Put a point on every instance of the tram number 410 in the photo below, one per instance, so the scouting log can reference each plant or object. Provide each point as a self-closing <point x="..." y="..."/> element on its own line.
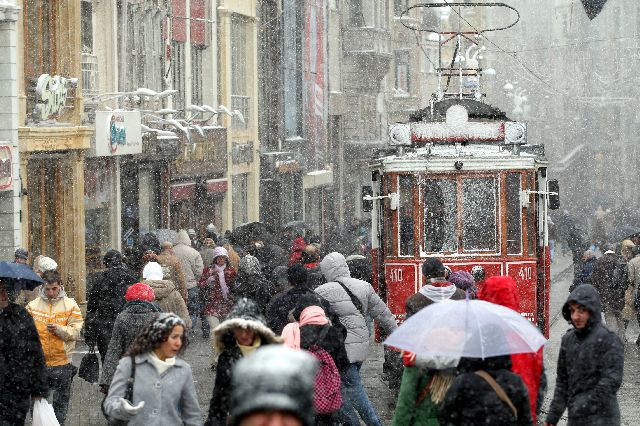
<point x="525" y="273"/>
<point x="395" y="275"/>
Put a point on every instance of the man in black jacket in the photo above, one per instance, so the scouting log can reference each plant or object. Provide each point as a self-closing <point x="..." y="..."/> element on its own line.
<point x="105" y="300"/>
<point x="590" y="365"/>
<point x="23" y="376"/>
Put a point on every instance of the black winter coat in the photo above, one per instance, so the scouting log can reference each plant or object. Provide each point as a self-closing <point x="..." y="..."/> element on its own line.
<point x="611" y="277"/>
<point x="471" y="401"/>
<point x="135" y="316"/>
<point x="282" y="304"/>
<point x="332" y="342"/>
<point x="106" y="299"/>
<point x="590" y="367"/>
<point x="219" y="404"/>
<point x="22" y="368"/>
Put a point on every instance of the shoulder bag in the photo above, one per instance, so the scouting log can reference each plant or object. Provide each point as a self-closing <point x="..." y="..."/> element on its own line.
<point x="356" y="302"/>
<point x="498" y="390"/>
<point x="128" y="395"/>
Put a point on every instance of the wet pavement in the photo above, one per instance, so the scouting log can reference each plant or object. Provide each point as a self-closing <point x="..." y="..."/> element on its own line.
<point x="85" y="405"/>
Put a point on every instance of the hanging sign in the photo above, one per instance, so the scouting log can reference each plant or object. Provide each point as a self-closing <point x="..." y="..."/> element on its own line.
<point x="118" y="133"/>
<point x="5" y="167"/>
<point x="51" y="95"/>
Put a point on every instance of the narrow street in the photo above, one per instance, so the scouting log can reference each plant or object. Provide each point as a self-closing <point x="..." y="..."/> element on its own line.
<point x="85" y="405"/>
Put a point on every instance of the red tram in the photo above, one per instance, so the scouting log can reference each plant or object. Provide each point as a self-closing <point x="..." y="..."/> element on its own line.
<point x="462" y="183"/>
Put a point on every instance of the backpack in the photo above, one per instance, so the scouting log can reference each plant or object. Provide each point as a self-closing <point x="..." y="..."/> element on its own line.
<point x="327" y="398"/>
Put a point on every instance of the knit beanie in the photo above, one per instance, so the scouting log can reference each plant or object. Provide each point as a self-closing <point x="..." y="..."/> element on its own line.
<point x="140" y="291"/>
<point x="286" y="385"/>
<point x="220" y="251"/>
<point x="152" y="271"/>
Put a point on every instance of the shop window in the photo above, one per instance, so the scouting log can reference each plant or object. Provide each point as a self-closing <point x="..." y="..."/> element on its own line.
<point x="240" y="99"/>
<point x="440" y="215"/>
<point x="98" y="200"/>
<point x="479" y="214"/>
<point x="406" y="223"/>
<point x="513" y="188"/>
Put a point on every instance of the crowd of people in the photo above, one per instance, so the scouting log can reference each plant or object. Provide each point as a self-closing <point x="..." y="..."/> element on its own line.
<point x="290" y="331"/>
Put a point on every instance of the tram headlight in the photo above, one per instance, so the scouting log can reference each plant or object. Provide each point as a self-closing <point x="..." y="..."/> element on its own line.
<point x="458" y="165"/>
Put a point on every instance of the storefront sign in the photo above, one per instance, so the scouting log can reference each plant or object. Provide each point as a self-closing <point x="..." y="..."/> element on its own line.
<point x="51" y="95"/>
<point x="118" y="133"/>
<point x="5" y="167"/>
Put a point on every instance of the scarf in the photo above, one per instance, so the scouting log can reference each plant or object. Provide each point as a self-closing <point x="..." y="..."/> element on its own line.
<point x="161" y="365"/>
<point x="438" y="291"/>
<point x="248" y="350"/>
<point x="221" y="280"/>
<point x="312" y="315"/>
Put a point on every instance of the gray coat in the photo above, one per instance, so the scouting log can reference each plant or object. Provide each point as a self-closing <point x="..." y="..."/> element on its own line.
<point x="170" y="399"/>
<point x="134" y="317"/>
<point x="191" y="259"/>
<point x="334" y="267"/>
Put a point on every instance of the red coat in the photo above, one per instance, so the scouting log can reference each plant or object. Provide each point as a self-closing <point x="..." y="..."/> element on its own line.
<point x="295" y="252"/>
<point x="503" y="291"/>
<point x="213" y="301"/>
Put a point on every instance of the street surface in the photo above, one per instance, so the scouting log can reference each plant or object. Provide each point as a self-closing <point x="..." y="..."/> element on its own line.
<point x="85" y="405"/>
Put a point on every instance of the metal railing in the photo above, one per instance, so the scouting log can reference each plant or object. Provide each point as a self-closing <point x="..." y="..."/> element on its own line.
<point x="90" y="86"/>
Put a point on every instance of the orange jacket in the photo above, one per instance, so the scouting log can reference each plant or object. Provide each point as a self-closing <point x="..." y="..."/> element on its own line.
<point x="65" y="313"/>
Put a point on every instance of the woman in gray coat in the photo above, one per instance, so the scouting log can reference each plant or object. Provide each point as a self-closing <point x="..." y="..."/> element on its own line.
<point x="163" y="388"/>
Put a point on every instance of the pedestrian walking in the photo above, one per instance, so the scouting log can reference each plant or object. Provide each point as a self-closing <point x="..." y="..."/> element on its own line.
<point x="163" y="389"/>
<point x="529" y="366"/>
<point x="172" y="269"/>
<point x="296" y="250"/>
<point x="283" y="303"/>
<point x="242" y="332"/>
<point x="105" y="300"/>
<point x="21" y="256"/>
<point x="138" y="312"/>
<point x="611" y="278"/>
<point x="23" y="374"/>
<point x="590" y="365"/>
<point x="280" y="382"/>
<point x="312" y="332"/>
<point x="252" y="284"/>
<point x="584" y="276"/>
<point x="352" y="300"/>
<point x="631" y="297"/>
<point x="165" y="292"/>
<point x="208" y="246"/>
<point x="486" y="391"/>
<point x="216" y="287"/>
<point x="192" y="267"/>
<point x="41" y="264"/>
<point x="436" y="288"/>
<point x="58" y="320"/>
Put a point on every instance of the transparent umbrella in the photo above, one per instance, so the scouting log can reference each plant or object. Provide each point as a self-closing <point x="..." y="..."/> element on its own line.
<point x="466" y="328"/>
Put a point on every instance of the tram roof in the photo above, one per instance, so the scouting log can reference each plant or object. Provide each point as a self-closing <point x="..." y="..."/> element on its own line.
<point x="474" y="157"/>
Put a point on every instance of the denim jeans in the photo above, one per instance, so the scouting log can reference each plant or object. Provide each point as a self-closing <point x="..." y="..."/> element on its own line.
<point x="60" y="378"/>
<point x="193" y="305"/>
<point x="354" y="398"/>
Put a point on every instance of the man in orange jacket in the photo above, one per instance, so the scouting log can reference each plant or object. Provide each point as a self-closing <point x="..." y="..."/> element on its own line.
<point x="58" y="320"/>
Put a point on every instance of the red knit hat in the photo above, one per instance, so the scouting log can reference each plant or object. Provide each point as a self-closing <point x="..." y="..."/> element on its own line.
<point x="140" y="291"/>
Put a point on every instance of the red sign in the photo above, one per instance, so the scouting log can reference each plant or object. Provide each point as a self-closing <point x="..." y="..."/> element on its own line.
<point x="5" y="167"/>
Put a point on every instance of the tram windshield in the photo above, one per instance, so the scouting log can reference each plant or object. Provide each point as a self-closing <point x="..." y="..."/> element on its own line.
<point x="461" y="214"/>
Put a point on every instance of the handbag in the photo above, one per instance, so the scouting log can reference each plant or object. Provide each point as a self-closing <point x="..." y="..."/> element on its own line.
<point x="498" y="390"/>
<point x="128" y="395"/>
<point x="89" y="367"/>
<point x="43" y="414"/>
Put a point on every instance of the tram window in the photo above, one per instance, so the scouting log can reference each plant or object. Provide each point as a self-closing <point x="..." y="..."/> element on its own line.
<point x="387" y="221"/>
<point x="479" y="214"/>
<point x="514" y="213"/>
<point x="405" y="216"/>
<point x="440" y="215"/>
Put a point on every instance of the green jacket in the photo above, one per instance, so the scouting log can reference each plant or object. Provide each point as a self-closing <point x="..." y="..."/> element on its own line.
<point x="414" y="380"/>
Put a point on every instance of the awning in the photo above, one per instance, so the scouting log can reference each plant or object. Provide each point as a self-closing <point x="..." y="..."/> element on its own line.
<point x="183" y="191"/>
<point x="217" y="186"/>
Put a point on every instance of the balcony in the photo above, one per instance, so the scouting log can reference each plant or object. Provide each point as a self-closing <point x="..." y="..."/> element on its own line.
<point x="368" y="50"/>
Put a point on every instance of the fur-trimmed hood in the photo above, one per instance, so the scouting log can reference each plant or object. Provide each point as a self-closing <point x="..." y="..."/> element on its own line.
<point x="245" y="314"/>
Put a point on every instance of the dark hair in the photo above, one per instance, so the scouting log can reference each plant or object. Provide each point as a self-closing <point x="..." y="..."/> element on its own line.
<point x="297" y="275"/>
<point x="112" y="258"/>
<point x="156" y="333"/>
<point x="51" y="277"/>
<point x="433" y="268"/>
